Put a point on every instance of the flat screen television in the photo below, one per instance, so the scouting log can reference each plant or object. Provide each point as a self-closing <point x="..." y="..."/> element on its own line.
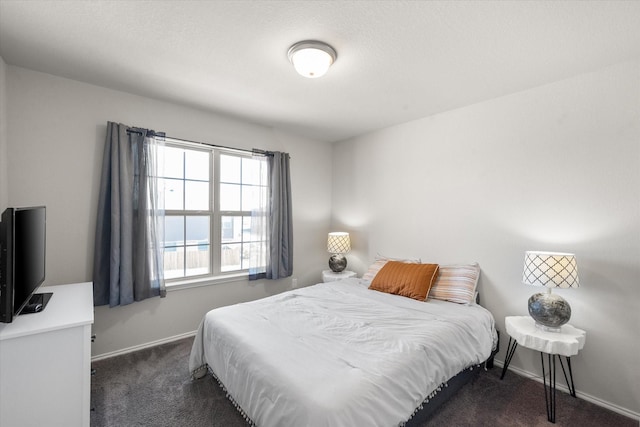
<point x="22" y="260"/>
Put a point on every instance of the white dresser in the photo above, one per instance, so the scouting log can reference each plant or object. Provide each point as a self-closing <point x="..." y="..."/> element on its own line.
<point x="45" y="362"/>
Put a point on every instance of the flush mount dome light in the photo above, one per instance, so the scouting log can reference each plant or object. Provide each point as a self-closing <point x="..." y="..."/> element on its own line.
<point x="312" y="58"/>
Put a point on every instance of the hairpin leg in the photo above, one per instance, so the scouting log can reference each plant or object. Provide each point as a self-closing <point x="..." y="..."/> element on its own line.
<point x="570" y="384"/>
<point x="510" y="351"/>
<point x="550" y="394"/>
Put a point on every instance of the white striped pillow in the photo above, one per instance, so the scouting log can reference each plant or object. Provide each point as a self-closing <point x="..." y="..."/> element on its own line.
<point x="456" y="283"/>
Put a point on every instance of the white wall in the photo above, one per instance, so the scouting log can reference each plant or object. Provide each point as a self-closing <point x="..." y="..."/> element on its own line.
<point x="55" y="133"/>
<point x="4" y="176"/>
<point x="552" y="168"/>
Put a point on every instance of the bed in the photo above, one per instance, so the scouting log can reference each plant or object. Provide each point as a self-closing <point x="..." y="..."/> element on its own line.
<point x="339" y="354"/>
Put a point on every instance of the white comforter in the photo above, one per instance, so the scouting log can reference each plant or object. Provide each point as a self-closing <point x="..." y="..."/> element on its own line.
<point x="338" y="354"/>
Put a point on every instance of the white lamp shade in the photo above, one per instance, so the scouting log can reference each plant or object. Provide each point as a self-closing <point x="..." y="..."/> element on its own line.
<point x="312" y="59"/>
<point x="338" y="243"/>
<point x="550" y="269"/>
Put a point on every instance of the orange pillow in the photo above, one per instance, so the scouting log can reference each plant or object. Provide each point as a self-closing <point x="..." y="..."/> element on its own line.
<point x="408" y="280"/>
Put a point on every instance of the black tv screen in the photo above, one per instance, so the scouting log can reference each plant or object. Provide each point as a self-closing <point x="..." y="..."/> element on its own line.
<point x="22" y="266"/>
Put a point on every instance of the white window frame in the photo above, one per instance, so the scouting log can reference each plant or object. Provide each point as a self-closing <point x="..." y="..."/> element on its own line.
<point x="215" y="215"/>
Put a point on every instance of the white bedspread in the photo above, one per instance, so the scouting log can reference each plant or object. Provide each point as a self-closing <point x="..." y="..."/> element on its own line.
<point x="338" y="354"/>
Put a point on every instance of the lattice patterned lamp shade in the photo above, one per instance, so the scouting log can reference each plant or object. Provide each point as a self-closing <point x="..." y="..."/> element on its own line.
<point x="338" y="243"/>
<point x="551" y="270"/>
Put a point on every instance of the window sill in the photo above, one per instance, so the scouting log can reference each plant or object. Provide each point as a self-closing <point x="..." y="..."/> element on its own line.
<point x="207" y="281"/>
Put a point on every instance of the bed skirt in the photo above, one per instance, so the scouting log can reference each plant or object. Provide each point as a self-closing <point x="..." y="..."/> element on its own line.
<point x="445" y="392"/>
<point x="422" y="413"/>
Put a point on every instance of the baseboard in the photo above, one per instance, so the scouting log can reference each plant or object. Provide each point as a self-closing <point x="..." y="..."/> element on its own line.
<point x="560" y="386"/>
<point x="142" y="346"/>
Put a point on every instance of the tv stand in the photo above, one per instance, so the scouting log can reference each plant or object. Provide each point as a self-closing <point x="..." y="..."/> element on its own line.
<point x="37" y="303"/>
<point x="45" y="362"/>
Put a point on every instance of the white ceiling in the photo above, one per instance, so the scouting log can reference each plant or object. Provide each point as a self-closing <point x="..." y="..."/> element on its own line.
<point x="397" y="60"/>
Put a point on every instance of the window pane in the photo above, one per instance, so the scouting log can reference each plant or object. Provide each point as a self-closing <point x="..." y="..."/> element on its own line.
<point x="173" y="231"/>
<point x="257" y="229"/>
<point x="173" y="193"/>
<point x="230" y="257"/>
<point x="229" y="197"/>
<point x="197" y="165"/>
<point x="246" y="228"/>
<point x="230" y="169"/>
<point x="231" y="227"/>
<point x="198" y="250"/>
<point x="174" y="249"/>
<point x="256" y="255"/>
<point x="196" y="195"/>
<point x="197" y="230"/>
<point x="198" y="260"/>
<point x="251" y="197"/>
<point x="174" y="262"/>
<point x="173" y="162"/>
<point x="251" y="171"/>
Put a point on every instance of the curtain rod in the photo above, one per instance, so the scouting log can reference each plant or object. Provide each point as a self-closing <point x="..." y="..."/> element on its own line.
<point x="252" y="151"/>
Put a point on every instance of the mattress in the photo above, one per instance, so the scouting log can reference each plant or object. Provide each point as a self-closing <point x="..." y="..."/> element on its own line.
<point x="338" y="354"/>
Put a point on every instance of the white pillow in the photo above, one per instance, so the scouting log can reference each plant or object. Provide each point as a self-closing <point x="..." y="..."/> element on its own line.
<point x="380" y="261"/>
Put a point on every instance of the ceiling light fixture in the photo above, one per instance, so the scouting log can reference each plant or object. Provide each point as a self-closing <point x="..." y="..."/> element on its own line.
<point x="312" y="58"/>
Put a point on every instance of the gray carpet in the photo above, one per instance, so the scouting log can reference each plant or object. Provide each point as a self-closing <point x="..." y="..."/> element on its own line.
<point x="152" y="388"/>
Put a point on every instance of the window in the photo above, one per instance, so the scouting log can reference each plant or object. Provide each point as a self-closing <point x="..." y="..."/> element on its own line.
<point x="209" y="194"/>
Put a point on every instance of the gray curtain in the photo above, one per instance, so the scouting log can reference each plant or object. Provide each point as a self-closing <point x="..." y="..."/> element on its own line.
<point x="128" y="255"/>
<point x="280" y="260"/>
<point x="279" y="229"/>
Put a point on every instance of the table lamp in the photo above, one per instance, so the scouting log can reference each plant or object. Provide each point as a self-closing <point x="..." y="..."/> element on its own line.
<point x="338" y="244"/>
<point x="552" y="270"/>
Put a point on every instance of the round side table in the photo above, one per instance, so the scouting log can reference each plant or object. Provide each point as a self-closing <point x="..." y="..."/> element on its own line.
<point x="568" y="342"/>
<point x="332" y="276"/>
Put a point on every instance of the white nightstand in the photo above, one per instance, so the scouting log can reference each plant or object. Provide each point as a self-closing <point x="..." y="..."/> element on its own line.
<point x="568" y="342"/>
<point x="331" y="276"/>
